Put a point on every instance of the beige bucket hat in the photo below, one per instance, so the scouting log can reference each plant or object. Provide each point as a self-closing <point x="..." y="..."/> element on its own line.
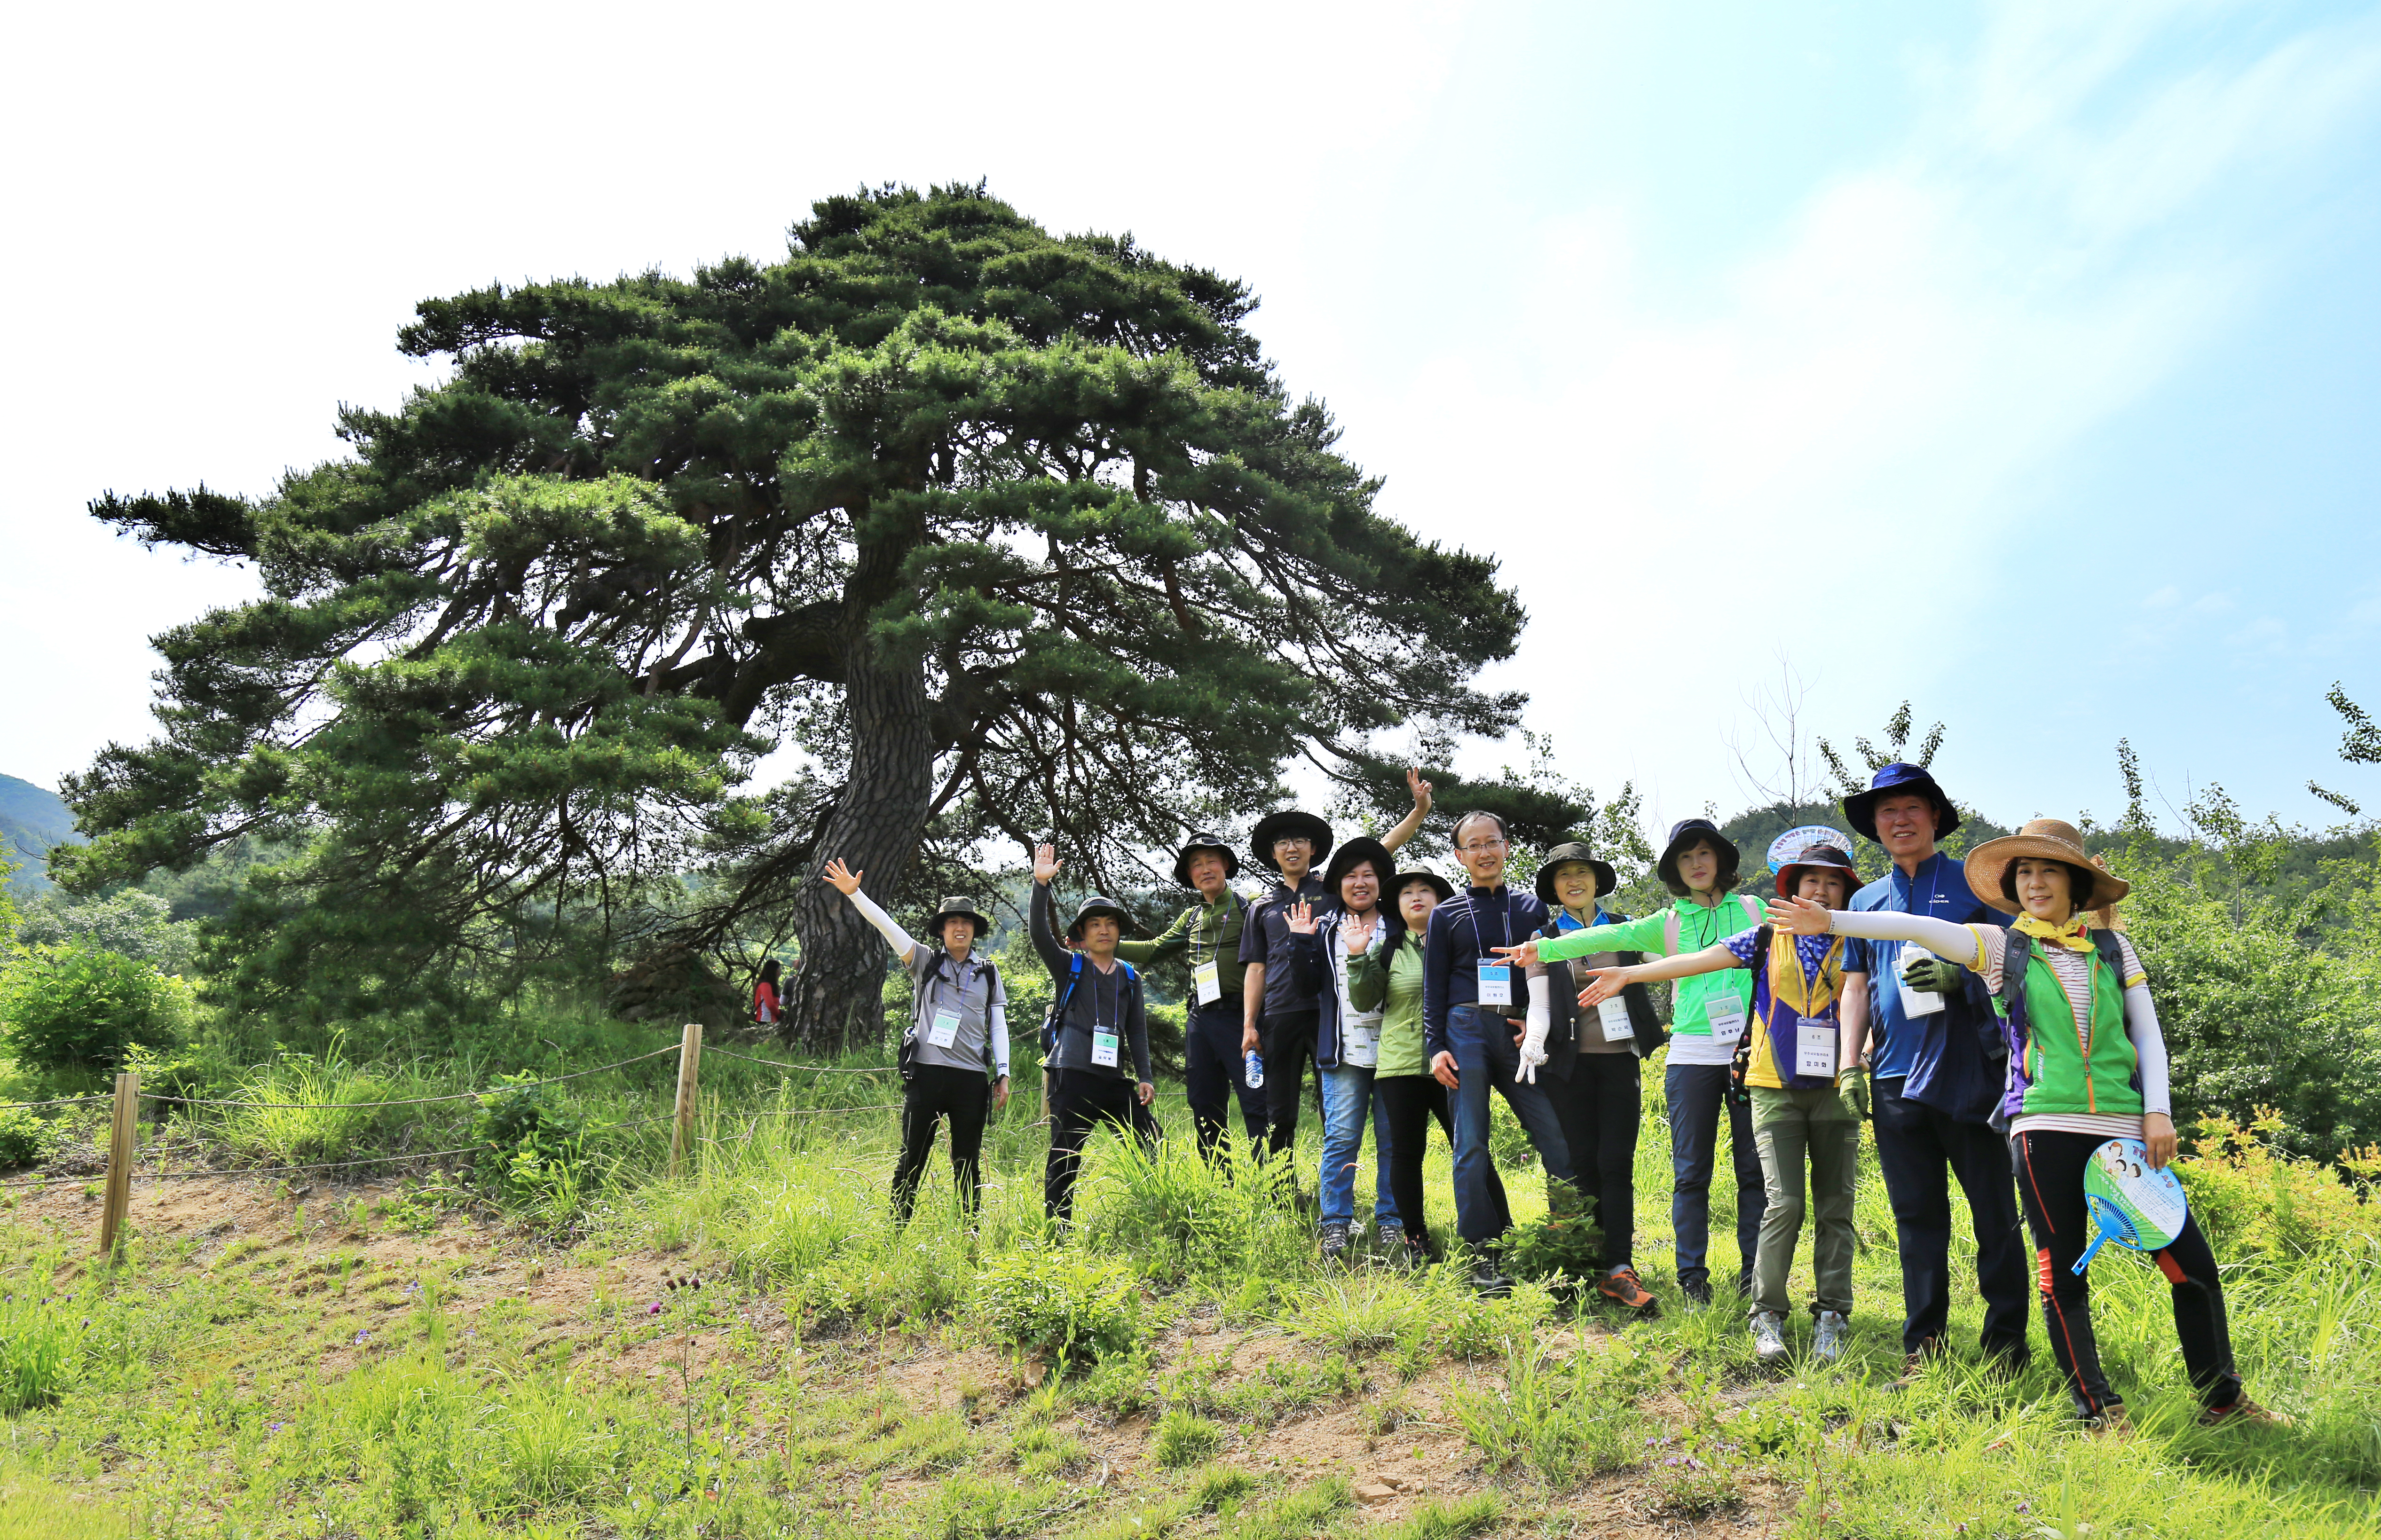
<point x="2042" y="839"/>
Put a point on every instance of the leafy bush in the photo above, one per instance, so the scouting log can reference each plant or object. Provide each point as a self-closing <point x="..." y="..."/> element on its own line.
<point x="1060" y="1304"/>
<point x="24" y="1138"/>
<point x="2254" y="1199"/>
<point x="1567" y="1244"/>
<point x="69" y="1006"/>
<point x="538" y="1146"/>
<point x="130" y="923"/>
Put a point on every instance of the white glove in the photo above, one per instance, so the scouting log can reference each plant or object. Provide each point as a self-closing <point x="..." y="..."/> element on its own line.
<point x="1534" y="1035"/>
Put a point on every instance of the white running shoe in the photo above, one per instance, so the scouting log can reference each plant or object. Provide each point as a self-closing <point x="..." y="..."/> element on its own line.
<point x="1769" y="1337"/>
<point x="1833" y="1329"/>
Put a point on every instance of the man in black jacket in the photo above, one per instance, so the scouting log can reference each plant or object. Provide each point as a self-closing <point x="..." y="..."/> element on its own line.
<point x="1102" y="1018"/>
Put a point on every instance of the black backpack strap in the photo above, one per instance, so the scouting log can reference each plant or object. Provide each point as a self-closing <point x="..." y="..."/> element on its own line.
<point x="2017" y="956"/>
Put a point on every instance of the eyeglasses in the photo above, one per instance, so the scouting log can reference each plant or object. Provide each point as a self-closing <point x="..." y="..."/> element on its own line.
<point x="1480" y="848"/>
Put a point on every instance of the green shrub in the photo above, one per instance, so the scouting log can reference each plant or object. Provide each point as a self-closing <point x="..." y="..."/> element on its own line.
<point x="41" y="1349"/>
<point x="2254" y="1198"/>
<point x="1060" y="1304"/>
<point x="75" y="1007"/>
<point x="538" y="1147"/>
<point x="24" y="1138"/>
<point x="1185" y="1439"/>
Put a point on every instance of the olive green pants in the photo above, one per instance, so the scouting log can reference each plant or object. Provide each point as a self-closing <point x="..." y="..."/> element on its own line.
<point x="1787" y="1126"/>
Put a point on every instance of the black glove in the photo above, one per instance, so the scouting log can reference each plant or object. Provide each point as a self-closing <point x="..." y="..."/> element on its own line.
<point x="1935" y="975"/>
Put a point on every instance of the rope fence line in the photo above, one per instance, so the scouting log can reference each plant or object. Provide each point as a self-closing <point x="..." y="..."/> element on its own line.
<point x="62" y="1101"/>
<point x="407" y="1101"/>
<point x="807" y="1069"/>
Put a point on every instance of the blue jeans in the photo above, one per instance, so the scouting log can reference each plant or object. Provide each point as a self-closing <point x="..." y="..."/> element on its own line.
<point x="1347" y="1100"/>
<point x="1486" y="1056"/>
<point x="1696" y="1093"/>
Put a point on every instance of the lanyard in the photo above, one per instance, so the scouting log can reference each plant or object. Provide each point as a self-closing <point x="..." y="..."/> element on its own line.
<point x="1504" y="923"/>
<point x="1215" y="941"/>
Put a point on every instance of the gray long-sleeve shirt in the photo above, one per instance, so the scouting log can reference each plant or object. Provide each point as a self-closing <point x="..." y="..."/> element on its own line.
<point x="1101" y="1000"/>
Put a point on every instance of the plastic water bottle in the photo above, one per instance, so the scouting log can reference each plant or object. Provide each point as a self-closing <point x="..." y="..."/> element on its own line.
<point x="1255" y="1069"/>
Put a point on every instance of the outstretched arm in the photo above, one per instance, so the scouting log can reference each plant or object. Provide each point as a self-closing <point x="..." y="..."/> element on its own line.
<point x="847" y="882"/>
<point x="1612" y="981"/>
<point x="1960" y="944"/>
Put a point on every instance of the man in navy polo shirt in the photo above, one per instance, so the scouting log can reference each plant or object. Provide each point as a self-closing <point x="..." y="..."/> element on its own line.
<point x="1935" y="1073"/>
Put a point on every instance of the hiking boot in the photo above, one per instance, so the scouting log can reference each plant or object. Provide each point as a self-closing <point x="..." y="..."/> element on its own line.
<point x="1833" y="1328"/>
<point x="1697" y="1290"/>
<point x="1769" y="1337"/>
<point x="1914" y="1366"/>
<point x="2244" y="1412"/>
<point x="1488" y="1280"/>
<point x="1621" y="1285"/>
<point x="1334" y="1242"/>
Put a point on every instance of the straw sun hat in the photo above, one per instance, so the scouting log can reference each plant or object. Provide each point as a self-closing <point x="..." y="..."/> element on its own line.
<point x="2042" y="839"/>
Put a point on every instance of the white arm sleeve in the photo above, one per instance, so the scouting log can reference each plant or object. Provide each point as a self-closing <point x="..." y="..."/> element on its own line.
<point x="1541" y="1011"/>
<point x="1940" y="937"/>
<point x="886" y="926"/>
<point x="2149" y="1044"/>
<point x="1001" y="1039"/>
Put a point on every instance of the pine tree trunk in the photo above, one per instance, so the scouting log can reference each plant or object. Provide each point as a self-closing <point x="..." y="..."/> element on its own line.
<point x="836" y="1002"/>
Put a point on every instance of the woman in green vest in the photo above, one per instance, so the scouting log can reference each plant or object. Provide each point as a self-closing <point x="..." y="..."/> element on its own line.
<point x="2087" y="1064"/>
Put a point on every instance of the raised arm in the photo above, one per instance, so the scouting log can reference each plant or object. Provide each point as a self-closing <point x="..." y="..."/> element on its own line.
<point x="1411" y="824"/>
<point x="1041" y="920"/>
<point x="847" y="882"/>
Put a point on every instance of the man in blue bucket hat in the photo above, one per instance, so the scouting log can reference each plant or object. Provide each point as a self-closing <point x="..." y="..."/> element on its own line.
<point x="1932" y="1076"/>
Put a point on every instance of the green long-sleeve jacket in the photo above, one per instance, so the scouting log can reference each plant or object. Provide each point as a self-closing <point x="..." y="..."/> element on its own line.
<point x="1203" y="933"/>
<point x="1390" y="981"/>
<point x="1691" y="1032"/>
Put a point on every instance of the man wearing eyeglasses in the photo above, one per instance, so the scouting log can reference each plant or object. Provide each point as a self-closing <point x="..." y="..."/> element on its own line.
<point x="1473" y="1014"/>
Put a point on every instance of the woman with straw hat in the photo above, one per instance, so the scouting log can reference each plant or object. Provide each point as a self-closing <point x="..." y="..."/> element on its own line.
<point x="2086" y="1064"/>
<point x="955" y="1056"/>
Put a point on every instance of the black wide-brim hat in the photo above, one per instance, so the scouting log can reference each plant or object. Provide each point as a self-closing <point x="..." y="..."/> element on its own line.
<point x="1288" y="824"/>
<point x="1899" y="779"/>
<point x="1439" y="885"/>
<point x="1812" y="856"/>
<point x="957" y="909"/>
<point x="1204" y="839"/>
<point x="1605" y="878"/>
<point x="1092" y="909"/>
<point x="1355" y="853"/>
<point x="1685" y="832"/>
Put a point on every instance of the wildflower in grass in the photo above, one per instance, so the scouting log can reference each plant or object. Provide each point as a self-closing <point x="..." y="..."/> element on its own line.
<point x="361" y="1335"/>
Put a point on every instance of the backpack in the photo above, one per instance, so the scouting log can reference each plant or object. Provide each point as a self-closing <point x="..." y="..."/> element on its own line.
<point x="906" y="1058"/>
<point x="1752" y="909"/>
<point x="2010" y="1002"/>
<point x="1054" y="1021"/>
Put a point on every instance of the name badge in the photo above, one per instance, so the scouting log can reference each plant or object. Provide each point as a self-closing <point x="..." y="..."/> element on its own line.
<point x="1104" y="1049"/>
<point x="1914" y="1002"/>
<point x="1814" y="1049"/>
<point x="946" y="1030"/>
<point x="1496" y="983"/>
<point x="1726" y="1015"/>
<point x="1617" y="1027"/>
<point x="1209" y="982"/>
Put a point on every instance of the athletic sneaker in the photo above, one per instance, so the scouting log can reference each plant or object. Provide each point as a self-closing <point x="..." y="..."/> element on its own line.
<point x="1335" y="1242"/>
<point x="1833" y="1329"/>
<point x="1621" y="1287"/>
<point x="1388" y="1238"/>
<point x="1697" y="1290"/>
<point x="1487" y="1279"/>
<point x="1769" y="1337"/>
<point x="2243" y="1412"/>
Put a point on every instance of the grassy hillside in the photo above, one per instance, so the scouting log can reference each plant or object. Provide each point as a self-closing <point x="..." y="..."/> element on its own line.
<point x="590" y="1347"/>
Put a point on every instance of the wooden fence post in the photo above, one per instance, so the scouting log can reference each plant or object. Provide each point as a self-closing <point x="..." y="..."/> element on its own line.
<point x="690" y="1059"/>
<point x="118" y="1197"/>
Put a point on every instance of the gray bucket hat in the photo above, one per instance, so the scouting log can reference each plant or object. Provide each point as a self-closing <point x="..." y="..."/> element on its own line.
<point x="958" y="909"/>
<point x="1092" y="909"/>
<point x="1605" y="878"/>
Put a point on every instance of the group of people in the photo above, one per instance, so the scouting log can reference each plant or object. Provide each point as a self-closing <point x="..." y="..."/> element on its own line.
<point x="1995" y="1054"/>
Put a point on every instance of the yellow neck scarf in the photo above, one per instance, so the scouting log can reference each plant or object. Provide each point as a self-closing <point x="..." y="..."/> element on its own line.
<point x="2075" y="935"/>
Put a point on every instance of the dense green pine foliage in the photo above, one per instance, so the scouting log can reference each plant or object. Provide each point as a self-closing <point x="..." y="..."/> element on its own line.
<point x="1016" y="534"/>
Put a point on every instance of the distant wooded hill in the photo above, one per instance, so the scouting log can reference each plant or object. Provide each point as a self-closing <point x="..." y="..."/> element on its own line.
<point x="33" y="821"/>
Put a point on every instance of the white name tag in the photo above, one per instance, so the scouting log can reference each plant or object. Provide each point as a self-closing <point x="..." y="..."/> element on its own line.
<point x="1727" y="1014"/>
<point x="1496" y="983"/>
<point x="1104" y="1049"/>
<point x="1617" y="1027"/>
<point x="1814" y="1049"/>
<point x="1209" y="982"/>
<point x="1914" y="1002"/>
<point x="946" y="1030"/>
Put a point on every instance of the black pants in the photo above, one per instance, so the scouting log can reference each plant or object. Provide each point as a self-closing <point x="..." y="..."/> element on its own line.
<point x="1409" y="1103"/>
<point x="1920" y="1149"/>
<point x="2050" y="1182"/>
<point x="1214" y="1075"/>
<point x="1600" y="1104"/>
<point x="936" y="1092"/>
<point x="1081" y="1100"/>
<point x="1288" y="1046"/>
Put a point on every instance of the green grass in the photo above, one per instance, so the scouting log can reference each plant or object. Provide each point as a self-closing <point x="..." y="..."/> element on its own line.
<point x="197" y="1400"/>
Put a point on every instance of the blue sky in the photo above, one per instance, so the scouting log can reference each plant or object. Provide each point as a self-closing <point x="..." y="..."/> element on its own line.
<point x="1920" y="351"/>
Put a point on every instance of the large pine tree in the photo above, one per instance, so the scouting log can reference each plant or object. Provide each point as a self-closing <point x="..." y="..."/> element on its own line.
<point x="1018" y="534"/>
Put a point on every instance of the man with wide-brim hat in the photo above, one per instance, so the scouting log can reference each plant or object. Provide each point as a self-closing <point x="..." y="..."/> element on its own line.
<point x="1698" y="865"/>
<point x="1205" y="941"/>
<point x="1281" y="1008"/>
<point x="1100" y="1056"/>
<point x="1931" y="1077"/>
